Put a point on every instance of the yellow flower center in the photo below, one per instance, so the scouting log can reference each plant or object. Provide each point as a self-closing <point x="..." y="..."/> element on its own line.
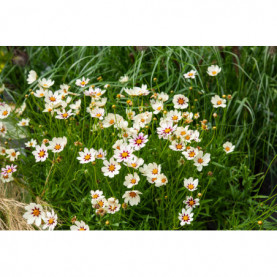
<point x="65" y="115"/>
<point x="51" y="221"/>
<point x="36" y="212"/>
<point x="41" y="153"/>
<point x="111" y="121"/>
<point x="139" y="141"/>
<point x="219" y="102"/>
<point x="185" y="218"/>
<point x="179" y="146"/>
<point x="133" y="164"/>
<point x="133" y="181"/>
<point x="111" y="168"/>
<point x="192" y="154"/>
<point x="164" y="180"/>
<point x="132" y="194"/>
<point x="227" y="148"/>
<point x="83" y="83"/>
<point x="5" y="113"/>
<point x="82" y="229"/>
<point x="190" y="74"/>
<point x="214" y="72"/>
<point x="87" y="157"/>
<point x="200" y="160"/>
<point x="142" y="120"/>
<point x="57" y="147"/>
<point x="181" y="101"/>
<point x="99" y="156"/>
<point x="124" y="154"/>
<point x="167" y="130"/>
<point x="95" y="196"/>
<point x="52" y="99"/>
<point x="174" y="117"/>
<point x="191" y="202"/>
<point x="183" y="133"/>
<point x="190" y="186"/>
<point x="155" y="171"/>
<point x="9" y="170"/>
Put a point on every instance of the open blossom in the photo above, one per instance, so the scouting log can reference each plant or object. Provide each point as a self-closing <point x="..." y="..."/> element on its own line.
<point x="190" y="153"/>
<point x="64" y="114"/>
<point x="123" y="79"/>
<point x="201" y="160"/>
<point x="98" y="113"/>
<point x="3" y="129"/>
<point x="191" y="184"/>
<point x="76" y="106"/>
<point x="100" y="154"/>
<point x="142" y="119"/>
<point x="32" y="76"/>
<point x="177" y="145"/>
<point x="162" y="96"/>
<point x="180" y="101"/>
<point x="40" y="153"/>
<point x="157" y="106"/>
<point x="12" y="154"/>
<point x="110" y="168"/>
<point x="135" y="162"/>
<point x="31" y="143"/>
<point x="24" y="122"/>
<point x="191" y="74"/>
<point x="57" y="144"/>
<point x="79" y="226"/>
<point x="6" y="178"/>
<point x="174" y="116"/>
<point x="86" y="156"/>
<point x="186" y="216"/>
<point x="34" y="214"/>
<point x="130" y="114"/>
<point x="151" y="170"/>
<point x="45" y="83"/>
<point x="94" y="92"/>
<point x="191" y="202"/>
<point x="9" y="169"/>
<point x="166" y="129"/>
<point x="124" y="154"/>
<point x="40" y="92"/>
<point x="160" y="180"/>
<point x="213" y="70"/>
<point x="50" y="220"/>
<point x="132" y="197"/>
<point x="110" y="119"/>
<point x="3" y="151"/>
<point x="5" y="111"/>
<point x="218" y="102"/>
<point x="53" y="97"/>
<point x="82" y="82"/>
<point x="96" y="195"/>
<point x="137" y="91"/>
<point x="228" y="147"/>
<point x="131" y="180"/>
<point x="113" y="205"/>
<point x="138" y="141"/>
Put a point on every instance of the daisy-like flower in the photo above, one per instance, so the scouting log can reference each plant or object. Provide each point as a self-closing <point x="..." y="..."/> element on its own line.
<point x="162" y="96"/>
<point x="166" y="129"/>
<point x="141" y="120"/>
<point x="82" y="82"/>
<point x="5" y="111"/>
<point x="12" y="154"/>
<point x="113" y="205"/>
<point x="161" y="180"/>
<point x="228" y="147"/>
<point x="76" y="106"/>
<point x="130" y="114"/>
<point x="218" y="102"/>
<point x="34" y="214"/>
<point x="40" y="153"/>
<point x="53" y="97"/>
<point x="201" y="160"/>
<point x="86" y="156"/>
<point x="186" y="216"/>
<point x="213" y="70"/>
<point x="45" y="83"/>
<point x="190" y="202"/>
<point x="174" y="116"/>
<point x="118" y="144"/>
<point x="3" y="151"/>
<point x="132" y="197"/>
<point x="50" y="221"/>
<point x="100" y="102"/>
<point x="135" y="162"/>
<point x="180" y="101"/>
<point x="3" y="129"/>
<point x="191" y="184"/>
<point x="100" y="154"/>
<point x="94" y="92"/>
<point x="24" y="122"/>
<point x="191" y="74"/>
<point x="6" y="178"/>
<point x="57" y="144"/>
<point x="123" y="79"/>
<point x="31" y="143"/>
<point x="64" y="114"/>
<point x="99" y="203"/>
<point x="96" y="195"/>
<point x="137" y="91"/>
<point x="177" y="145"/>
<point x="157" y="106"/>
<point x="79" y="226"/>
<point x="110" y="168"/>
<point x="98" y="113"/>
<point x="131" y="180"/>
<point x="124" y="154"/>
<point x="9" y="169"/>
<point x="190" y="153"/>
<point x="41" y="92"/>
<point x="109" y="120"/>
<point x="138" y="141"/>
<point x="151" y="170"/>
<point x="32" y="76"/>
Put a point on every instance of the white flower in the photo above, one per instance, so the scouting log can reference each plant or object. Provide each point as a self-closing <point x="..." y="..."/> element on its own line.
<point x="177" y="145"/>
<point x="162" y="96"/>
<point x="124" y="154"/>
<point x="82" y="82"/>
<point x="96" y="195"/>
<point x="3" y="129"/>
<point x="174" y="116"/>
<point x="186" y="216"/>
<point x="190" y="153"/>
<point x="76" y="105"/>
<point x="113" y="205"/>
<point x="137" y="91"/>
<point x="157" y="106"/>
<point x="45" y="83"/>
<point x="31" y="143"/>
<point x="99" y="203"/>
<point x="34" y="214"/>
<point x="141" y="120"/>
<point x="41" y="92"/>
<point x="132" y="197"/>
<point x="64" y="114"/>
<point x="213" y="70"/>
<point x="110" y="168"/>
<point x="131" y="180"/>
<point x="166" y="129"/>
<point x="191" y="74"/>
<point x="9" y="169"/>
<point x="86" y="156"/>
<point x="53" y="97"/>
<point x="24" y="122"/>
<point x="138" y="141"/>
<point x="2" y="151"/>
<point x="12" y="154"/>
<point x="191" y="184"/>
<point x="135" y="162"/>
<point x="57" y="144"/>
<point x="94" y="92"/>
<point x="32" y="76"/>
<point x="123" y="79"/>
<point x="98" y="113"/>
<point x="200" y="160"/>
<point x="5" y="111"/>
<point x="110" y="120"/>
<point x="79" y="226"/>
<point x="50" y="221"/>
<point x="190" y="202"/>
<point x="130" y="114"/>
<point x="6" y="178"/>
<point x="180" y="101"/>
<point x="160" y="180"/>
<point x="100" y="154"/>
<point x="151" y="170"/>
<point x="218" y="102"/>
<point x="40" y="153"/>
<point x="228" y="147"/>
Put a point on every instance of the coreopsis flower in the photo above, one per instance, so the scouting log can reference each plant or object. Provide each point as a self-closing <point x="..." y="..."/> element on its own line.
<point x="64" y="114"/>
<point x="124" y="154"/>
<point x="228" y="147"/>
<point x="5" y="111"/>
<point x="53" y="97"/>
<point x="123" y="79"/>
<point x="138" y="141"/>
<point x="99" y="102"/>
<point x="76" y="106"/>
<point x="94" y="92"/>
<point x="41" y="92"/>
<point x="79" y="226"/>
<point x="82" y="82"/>
<point x="135" y="162"/>
<point x="113" y="205"/>
<point x="45" y="83"/>
<point x="6" y="178"/>
<point x="191" y="74"/>
<point x="3" y="129"/>
<point x="110" y="168"/>
<point x="190" y="202"/>
<point x="51" y="220"/>
<point x="177" y="145"/>
<point x="100" y="154"/>
<point x="190" y="153"/>
<point x="130" y="114"/>
<point x="128" y="132"/>
<point x="34" y="214"/>
<point x="99" y="203"/>
<point x="31" y="143"/>
<point x="118" y="144"/>
<point x="57" y="145"/>
<point x="9" y="169"/>
<point x="191" y="184"/>
<point x="160" y="180"/>
<point x="174" y="116"/>
<point x="162" y="96"/>
<point x="180" y="101"/>
<point x="151" y="170"/>
<point x="186" y="216"/>
<point x="196" y="115"/>
<point x="218" y="102"/>
<point x="97" y="113"/>
<point x="141" y="120"/>
<point x="12" y="154"/>
<point x="166" y="129"/>
<point x="157" y="106"/>
<point x="109" y="120"/>
<point x="40" y="153"/>
<point x="24" y="122"/>
<point x="213" y="70"/>
<point x="3" y="151"/>
<point x="201" y="160"/>
<point x="132" y="197"/>
<point x="96" y="195"/>
<point x="32" y="76"/>
<point x="131" y="180"/>
<point x="137" y="91"/>
<point x="87" y="156"/>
